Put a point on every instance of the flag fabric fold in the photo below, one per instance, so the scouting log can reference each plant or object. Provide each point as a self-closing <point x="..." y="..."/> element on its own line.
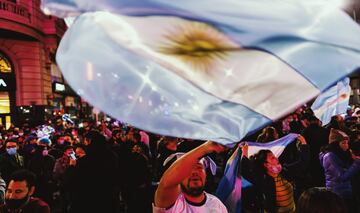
<point x="229" y="189"/>
<point x="333" y="101"/>
<point x="209" y="70"/>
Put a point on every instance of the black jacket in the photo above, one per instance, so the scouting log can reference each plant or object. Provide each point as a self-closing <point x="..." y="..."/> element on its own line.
<point x="93" y="182"/>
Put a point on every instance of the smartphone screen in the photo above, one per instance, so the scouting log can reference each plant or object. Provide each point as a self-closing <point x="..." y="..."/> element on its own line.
<point x="72" y="155"/>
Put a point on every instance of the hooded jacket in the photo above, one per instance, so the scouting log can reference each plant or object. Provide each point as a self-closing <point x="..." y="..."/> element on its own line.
<point x="338" y="174"/>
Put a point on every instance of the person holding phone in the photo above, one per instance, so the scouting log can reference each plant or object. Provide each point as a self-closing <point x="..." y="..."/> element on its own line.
<point x="98" y="166"/>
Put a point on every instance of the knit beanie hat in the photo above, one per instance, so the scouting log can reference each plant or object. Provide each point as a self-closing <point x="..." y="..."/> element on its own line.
<point x="337" y="136"/>
<point x="44" y="141"/>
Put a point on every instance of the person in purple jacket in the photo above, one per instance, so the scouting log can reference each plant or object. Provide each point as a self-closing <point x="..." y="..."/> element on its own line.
<point x="340" y="165"/>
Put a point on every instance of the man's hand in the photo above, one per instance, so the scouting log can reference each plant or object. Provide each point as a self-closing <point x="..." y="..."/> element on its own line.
<point x="72" y="162"/>
<point x="301" y="139"/>
<point x="245" y="149"/>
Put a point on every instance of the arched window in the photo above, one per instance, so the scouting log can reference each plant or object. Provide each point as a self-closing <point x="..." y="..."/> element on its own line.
<point x="5" y="66"/>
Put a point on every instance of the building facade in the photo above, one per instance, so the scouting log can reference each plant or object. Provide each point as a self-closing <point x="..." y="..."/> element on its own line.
<point x="31" y="85"/>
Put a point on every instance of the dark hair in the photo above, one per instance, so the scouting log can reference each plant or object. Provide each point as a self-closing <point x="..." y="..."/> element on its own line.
<point x="14" y="140"/>
<point x="95" y="136"/>
<point x="260" y="159"/>
<point x="98" y="142"/>
<point x="334" y="147"/>
<point x="137" y="137"/>
<point x="355" y="148"/>
<point x="320" y="200"/>
<point x="24" y="175"/>
<point x="70" y="135"/>
<point x="115" y="132"/>
<point x="267" y="135"/>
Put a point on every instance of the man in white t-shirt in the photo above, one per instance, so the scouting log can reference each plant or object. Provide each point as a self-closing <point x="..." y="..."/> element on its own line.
<point x="181" y="188"/>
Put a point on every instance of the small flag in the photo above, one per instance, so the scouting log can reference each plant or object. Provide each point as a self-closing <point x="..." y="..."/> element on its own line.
<point x="229" y="189"/>
<point x="333" y="101"/>
<point x="276" y="147"/>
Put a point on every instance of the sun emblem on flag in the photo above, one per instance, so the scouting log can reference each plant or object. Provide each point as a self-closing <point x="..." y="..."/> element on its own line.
<point x="198" y="45"/>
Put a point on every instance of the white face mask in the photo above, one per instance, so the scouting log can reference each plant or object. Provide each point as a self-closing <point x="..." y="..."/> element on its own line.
<point x="276" y="169"/>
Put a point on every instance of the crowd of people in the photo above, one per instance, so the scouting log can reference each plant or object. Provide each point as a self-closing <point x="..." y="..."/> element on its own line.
<point x="113" y="167"/>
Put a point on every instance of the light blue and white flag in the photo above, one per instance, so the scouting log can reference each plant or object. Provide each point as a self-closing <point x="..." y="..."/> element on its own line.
<point x="210" y="70"/>
<point x="277" y="147"/>
<point x="333" y="101"/>
<point x="231" y="184"/>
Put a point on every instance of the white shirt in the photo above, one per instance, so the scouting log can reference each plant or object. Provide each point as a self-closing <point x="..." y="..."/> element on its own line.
<point x="211" y="205"/>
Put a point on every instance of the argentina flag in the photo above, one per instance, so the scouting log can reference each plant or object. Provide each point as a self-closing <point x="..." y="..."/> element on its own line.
<point x="231" y="184"/>
<point x="209" y="70"/>
<point x="333" y="101"/>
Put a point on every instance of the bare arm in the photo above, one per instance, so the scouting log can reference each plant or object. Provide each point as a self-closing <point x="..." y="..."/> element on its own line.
<point x="169" y="187"/>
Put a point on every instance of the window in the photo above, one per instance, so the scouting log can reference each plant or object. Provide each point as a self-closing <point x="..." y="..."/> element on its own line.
<point x="5" y="66"/>
<point x="4" y="102"/>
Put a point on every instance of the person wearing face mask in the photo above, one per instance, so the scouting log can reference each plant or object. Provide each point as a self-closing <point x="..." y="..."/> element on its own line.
<point x="340" y="165"/>
<point x="272" y="180"/>
<point x="18" y="196"/>
<point x="11" y="160"/>
<point x="42" y="165"/>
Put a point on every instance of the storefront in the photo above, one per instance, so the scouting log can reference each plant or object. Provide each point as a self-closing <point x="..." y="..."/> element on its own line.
<point x="7" y="91"/>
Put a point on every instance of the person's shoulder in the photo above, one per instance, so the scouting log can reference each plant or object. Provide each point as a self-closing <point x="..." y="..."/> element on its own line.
<point x="213" y="201"/>
<point x="212" y="198"/>
<point x="37" y="205"/>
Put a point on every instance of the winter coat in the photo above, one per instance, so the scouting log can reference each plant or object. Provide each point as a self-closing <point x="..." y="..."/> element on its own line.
<point x="338" y="174"/>
<point x="92" y="183"/>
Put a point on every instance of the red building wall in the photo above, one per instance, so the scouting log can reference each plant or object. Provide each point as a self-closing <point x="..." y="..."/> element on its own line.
<point x="29" y="39"/>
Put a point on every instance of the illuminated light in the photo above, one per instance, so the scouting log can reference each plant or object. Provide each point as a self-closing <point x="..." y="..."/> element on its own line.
<point x="115" y="75"/>
<point x="89" y="71"/>
<point x="196" y="107"/>
<point x="176" y="104"/>
<point x="59" y="87"/>
<point x="80" y="92"/>
<point x="140" y="99"/>
<point x="146" y="79"/>
<point x="46" y="11"/>
<point x="130" y="97"/>
<point x="21" y="108"/>
<point x="154" y="88"/>
<point x="98" y="74"/>
<point x="229" y="72"/>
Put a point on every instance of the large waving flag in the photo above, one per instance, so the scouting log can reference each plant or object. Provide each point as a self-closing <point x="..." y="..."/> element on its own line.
<point x="333" y="101"/>
<point x="229" y="189"/>
<point x="210" y="70"/>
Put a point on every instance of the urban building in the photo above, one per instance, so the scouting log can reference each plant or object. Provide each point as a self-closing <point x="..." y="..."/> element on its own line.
<point x="31" y="85"/>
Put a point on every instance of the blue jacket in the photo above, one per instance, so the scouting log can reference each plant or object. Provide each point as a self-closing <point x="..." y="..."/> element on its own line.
<point x="338" y="174"/>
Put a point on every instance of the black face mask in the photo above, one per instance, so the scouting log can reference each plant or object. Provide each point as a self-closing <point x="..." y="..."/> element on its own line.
<point x="16" y="203"/>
